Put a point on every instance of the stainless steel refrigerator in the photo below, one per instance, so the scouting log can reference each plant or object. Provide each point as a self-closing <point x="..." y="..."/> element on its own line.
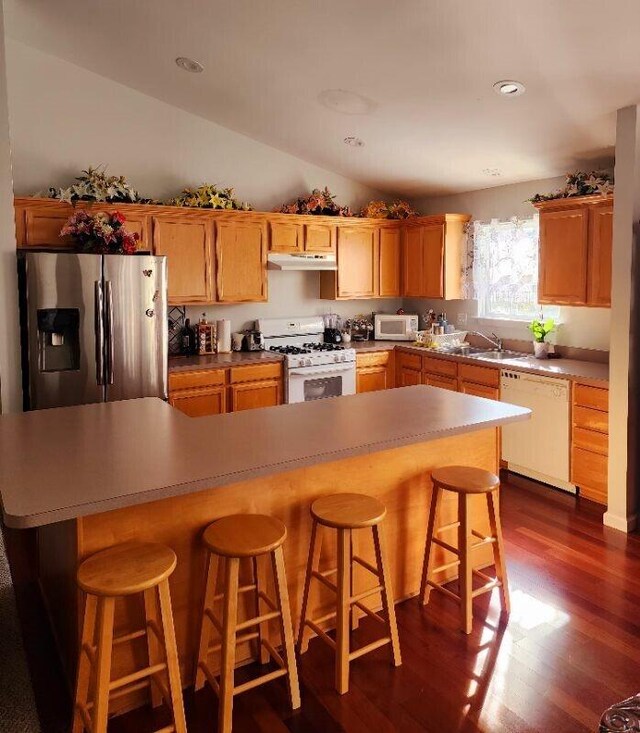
<point x="94" y="328"/>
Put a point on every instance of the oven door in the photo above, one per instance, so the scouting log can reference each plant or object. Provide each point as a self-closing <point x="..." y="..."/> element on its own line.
<point x="305" y="384"/>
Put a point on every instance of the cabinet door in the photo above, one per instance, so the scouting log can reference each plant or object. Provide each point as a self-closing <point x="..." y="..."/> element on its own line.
<point x="252" y="395"/>
<point x="479" y="390"/>
<point x="286" y="236"/>
<point x="408" y="377"/>
<point x="241" y="258"/>
<point x="600" y="248"/>
<point x="390" y="252"/>
<point x="319" y="237"/>
<point x="186" y="242"/>
<point x="413" y="262"/>
<point x="357" y="262"/>
<point x="437" y="380"/>
<point x="589" y="471"/>
<point x="433" y="261"/>
<point x="563" y="256"/>
<point x="372" y="379"/>
<point x="199" y="402"/>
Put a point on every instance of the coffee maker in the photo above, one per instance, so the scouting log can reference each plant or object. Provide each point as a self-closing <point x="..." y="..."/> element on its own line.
<point x="332" y="332"/>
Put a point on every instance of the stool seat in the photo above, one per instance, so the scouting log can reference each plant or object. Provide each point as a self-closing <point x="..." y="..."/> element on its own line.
<point x="348" y="511"/>
<point x="465" y="479"/>
<point x="244" y="535"/>
<point x="125" y="569"/>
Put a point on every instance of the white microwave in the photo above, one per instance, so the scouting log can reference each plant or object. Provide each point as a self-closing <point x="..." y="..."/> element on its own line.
<point x="394" y="327"/>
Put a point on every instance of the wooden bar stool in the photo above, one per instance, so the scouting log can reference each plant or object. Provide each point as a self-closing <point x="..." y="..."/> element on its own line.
<point x="346" y="512"/>
<point x="465" y="481"/>
<point x="233" y="538"/>
<point x="124" y="570"/>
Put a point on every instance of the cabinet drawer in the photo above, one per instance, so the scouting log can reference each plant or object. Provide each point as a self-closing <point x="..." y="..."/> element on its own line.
<point x="375" y="358"/>
<point x="250" y="396"/>
<point x="479" y="375"/>
<point x="409" y="361"/>
<point x="479" y="390"/>
<point x="438" y="380"/>
<point x="590" y="440"/>
<point x="439" y="366"/>
<point x="585" y="417"/>
<point x="589" y="473"/>
<point x="200" y="378"/>
<point x="199" y="402"/>
<point x="595" y="397"/>
<point x="255" y="372"/>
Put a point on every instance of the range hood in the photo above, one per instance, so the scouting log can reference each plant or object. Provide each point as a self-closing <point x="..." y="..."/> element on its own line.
<point x="317" y="262"/>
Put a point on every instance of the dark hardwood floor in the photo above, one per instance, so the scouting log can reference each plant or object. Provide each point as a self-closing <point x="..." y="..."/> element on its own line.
<point x="570" y="649"/>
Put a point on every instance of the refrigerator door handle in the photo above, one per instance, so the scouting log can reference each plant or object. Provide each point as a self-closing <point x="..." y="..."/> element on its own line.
<point x="109" y="318"/>
<point x="99" y="331"/>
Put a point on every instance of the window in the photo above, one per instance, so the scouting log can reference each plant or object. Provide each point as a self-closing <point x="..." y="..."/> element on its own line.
<point x="505" y="269"/>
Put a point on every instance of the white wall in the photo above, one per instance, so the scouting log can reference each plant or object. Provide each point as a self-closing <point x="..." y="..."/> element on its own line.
<point x="64" y="118"/>
<point x="582" y="327"/>
<point x="10" y="385"/>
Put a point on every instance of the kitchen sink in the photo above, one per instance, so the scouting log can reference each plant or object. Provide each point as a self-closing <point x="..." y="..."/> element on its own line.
<point x="496" y="355"/>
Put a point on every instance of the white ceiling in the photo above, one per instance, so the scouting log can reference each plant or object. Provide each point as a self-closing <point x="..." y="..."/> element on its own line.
<point x="428" y="65"/>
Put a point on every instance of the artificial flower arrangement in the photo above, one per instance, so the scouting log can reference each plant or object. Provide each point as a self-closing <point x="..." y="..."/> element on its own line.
<point x="579" y="184"/>
<point x="397" y="209"/>
<point x="319" y="202"/>
<point x="209" y="196"/>
<point x="101" y="233"/>
<point x="95" y="185"/>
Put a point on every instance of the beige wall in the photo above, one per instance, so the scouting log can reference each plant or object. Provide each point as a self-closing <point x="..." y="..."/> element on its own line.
<point x="582" y="327"/>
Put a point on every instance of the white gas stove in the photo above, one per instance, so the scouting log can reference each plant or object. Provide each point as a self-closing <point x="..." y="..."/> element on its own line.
<point x="313" y="370"/>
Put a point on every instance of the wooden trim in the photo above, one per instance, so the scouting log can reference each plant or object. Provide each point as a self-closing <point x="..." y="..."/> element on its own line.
<point x="573" y="202"/>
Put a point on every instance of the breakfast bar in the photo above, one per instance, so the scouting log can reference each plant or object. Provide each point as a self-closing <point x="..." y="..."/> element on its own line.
<point x="93" y="476"/>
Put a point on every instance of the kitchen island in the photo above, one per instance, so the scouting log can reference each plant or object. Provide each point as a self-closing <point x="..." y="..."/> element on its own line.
<point x="92" y="476"/>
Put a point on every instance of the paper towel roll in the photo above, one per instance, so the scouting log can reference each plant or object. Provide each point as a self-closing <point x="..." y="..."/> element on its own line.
<point x="224" y="335"/>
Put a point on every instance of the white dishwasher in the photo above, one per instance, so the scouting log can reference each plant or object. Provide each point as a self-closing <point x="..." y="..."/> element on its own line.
<point x="538" y="448"/>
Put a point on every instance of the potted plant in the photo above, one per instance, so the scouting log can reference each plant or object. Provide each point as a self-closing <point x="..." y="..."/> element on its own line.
<point x="541" y="329"/>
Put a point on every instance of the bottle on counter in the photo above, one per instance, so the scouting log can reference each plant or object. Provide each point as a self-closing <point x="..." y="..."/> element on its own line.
<point x="189" y="339"/>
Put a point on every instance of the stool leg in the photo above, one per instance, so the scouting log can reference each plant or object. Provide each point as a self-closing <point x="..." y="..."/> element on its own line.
<point x="315" y="547"/>
<point x="83" y="676"/>
<point x="344" y="608"/>
<point x="425" y="588"/>
<point x="153" y="643"/>
<point x="493" y="499"/>
<point x="282" y="593"/>
<point x="465" y="576"/>
<point x="355" y="618"/>
<point x="205" y="623"/>
<point x="103" y="664"/>
<point x="263" y="629"/>
<point x="228" y="662"/>
<point x="387" y="593"/>
<point x="171" y="651"/>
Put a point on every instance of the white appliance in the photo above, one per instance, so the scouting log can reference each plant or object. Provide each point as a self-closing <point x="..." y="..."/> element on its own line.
<point x="538" y="448"/>
<point x="301" y="261"/>
<point x="392" y="327"/>
<point x="313" y="370"/>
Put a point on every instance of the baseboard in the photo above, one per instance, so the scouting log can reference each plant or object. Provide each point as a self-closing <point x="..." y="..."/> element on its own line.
<point x="542" y="478"/>
<point x="622" y="524"/>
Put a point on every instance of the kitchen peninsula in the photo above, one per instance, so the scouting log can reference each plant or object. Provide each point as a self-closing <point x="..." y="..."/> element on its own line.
<point x="91" y="476"/>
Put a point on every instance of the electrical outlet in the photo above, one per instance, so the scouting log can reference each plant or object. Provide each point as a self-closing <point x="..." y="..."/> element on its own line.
<point x="462" y="319"/>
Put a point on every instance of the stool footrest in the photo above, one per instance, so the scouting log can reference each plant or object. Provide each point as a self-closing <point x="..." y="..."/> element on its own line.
<point x="369" y="648"/>
<point x="324" y="581"/>
<point x="365" y="594"/>
<point x="267" y="600"/>
<point x="446" y="566"/>
<point x="446" y="545"/>
<point x="210" y="677"/>
<point x="135" y="676"/>
<point x="371" y="568"/>
<point x="321" y="633"/>
<point x="369" y="612"/>
<point x="129" y="637"/>
<point x="241" y="589"/>
<point x="445" y="527"/>
<point x="242" y="639"/>
<point x="444" y="590"/>
<point x="486" y="588"/>
<point x="273" y="653"/>
<point x="86" y="718"/>
<point x="483" y="542"/>
<point x="262" y="680"/>
<point x="257" y="620"/>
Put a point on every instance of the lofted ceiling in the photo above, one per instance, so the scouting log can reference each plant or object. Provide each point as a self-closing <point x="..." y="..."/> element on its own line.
<point x="424" y="70"/>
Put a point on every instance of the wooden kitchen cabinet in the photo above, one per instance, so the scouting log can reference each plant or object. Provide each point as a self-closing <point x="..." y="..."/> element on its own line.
<point x="576" y="239"/>
<point x="255" y="385"/>
<point x="241" y="260"/>
<point x="479" y="381"/>
<point x="286" y="236"/>
<point x="187" y="245"/>
<point x="437" y="380"/>
<point x="290" y="233"/>
<point x="408" y="369"/>
<point x="390" y="258"/>
<point x="374" y="371"/>
<point x="433" y="252"/>
<point x="320" y="237"/>
<point x="358" y="261"/>
<point x="590" y="441"/>
<point x="199" y="392"/>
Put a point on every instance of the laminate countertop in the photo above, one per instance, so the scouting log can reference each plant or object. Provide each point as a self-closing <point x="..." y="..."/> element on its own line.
<point x="64" y="463"/>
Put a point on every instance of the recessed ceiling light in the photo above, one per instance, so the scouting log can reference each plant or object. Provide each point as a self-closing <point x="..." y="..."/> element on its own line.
<point x="345" y="102"/>
<point x="509" y="88"/>
<point x="188" y="64"/>
<point x="354" y="142"/>
<point x="491" y="171"/>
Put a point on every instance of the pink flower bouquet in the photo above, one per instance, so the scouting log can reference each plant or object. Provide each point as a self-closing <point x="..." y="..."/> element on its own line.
<point x="101" y="233"/>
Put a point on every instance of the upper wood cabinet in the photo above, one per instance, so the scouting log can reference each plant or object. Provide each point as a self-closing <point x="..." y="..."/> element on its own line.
<point x="286" y="236"/>
<point x="390" y="285"/>
<point x="187" y="244"/>
<point x="319" y="237"/>
<point x="292" y="233"/>
<point x="576" y="239"/>
<point x="433" y="251"/>
<point x="241" y="259"/>
<point x="358" y="260"/>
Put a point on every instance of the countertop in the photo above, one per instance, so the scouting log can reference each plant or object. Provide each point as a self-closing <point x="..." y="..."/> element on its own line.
<point x="69" y="462"/>
<point x="590" y="372"/>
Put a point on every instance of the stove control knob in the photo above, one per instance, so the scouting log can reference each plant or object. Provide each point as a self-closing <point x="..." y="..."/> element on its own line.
<point x="308" y="362"/>
<point x="336" y="358"/>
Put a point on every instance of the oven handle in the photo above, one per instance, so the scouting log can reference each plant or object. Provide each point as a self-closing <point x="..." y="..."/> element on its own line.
<point x="312" y="371"/>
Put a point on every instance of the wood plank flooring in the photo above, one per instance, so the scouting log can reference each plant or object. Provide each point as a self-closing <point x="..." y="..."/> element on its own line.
<point x="569" y="650"/>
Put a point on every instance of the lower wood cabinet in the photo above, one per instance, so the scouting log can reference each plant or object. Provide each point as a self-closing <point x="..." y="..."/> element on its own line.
<point x="200" y="402"/>
<point x="479" y="390"/>
<point x="374" y="371"/>
<point x="264" y="393"/>
<point x="437" y="380"/>
<point x="590" y="441"/>
<point x="408" y="369"/>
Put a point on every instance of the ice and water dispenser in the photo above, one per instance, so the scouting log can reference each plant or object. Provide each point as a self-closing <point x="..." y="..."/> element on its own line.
<point x="58" y="339"/>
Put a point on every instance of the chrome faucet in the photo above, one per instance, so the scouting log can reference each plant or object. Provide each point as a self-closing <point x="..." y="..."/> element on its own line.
<point x="494" y="340"/>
